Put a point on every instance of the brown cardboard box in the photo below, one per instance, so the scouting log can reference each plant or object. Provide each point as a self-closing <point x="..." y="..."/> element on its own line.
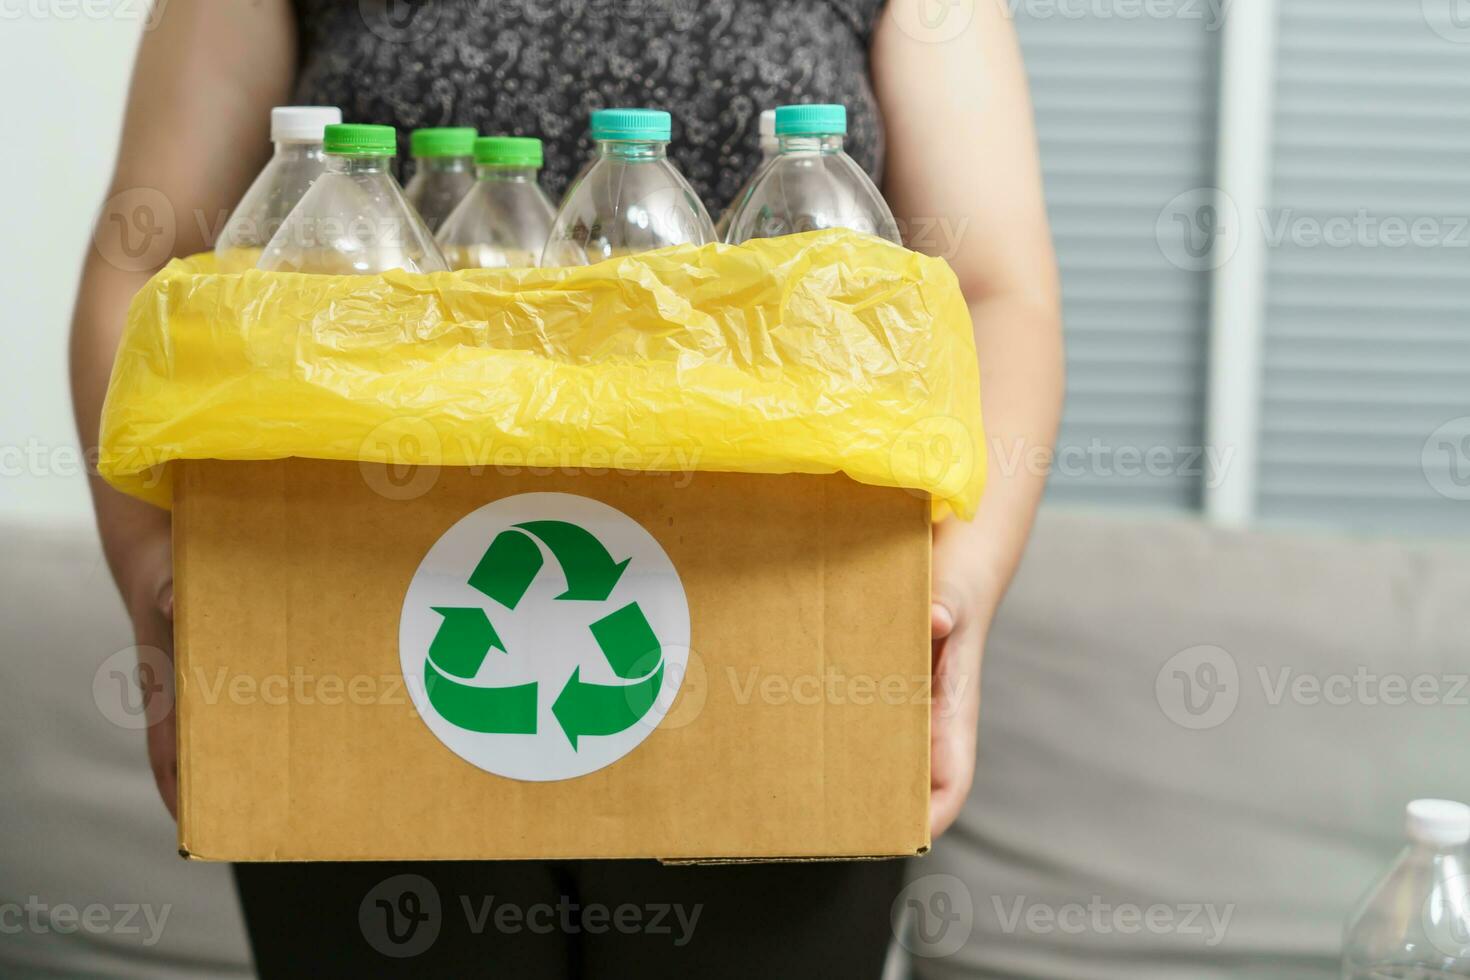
<point x="800" y="729"/>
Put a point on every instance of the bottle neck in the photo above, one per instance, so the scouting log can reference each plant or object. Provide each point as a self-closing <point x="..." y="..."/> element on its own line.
<point x="292" y="150"/>
<point x="631" y="150"/>
<point x="500" y="172"/>
<point x="1427" y="854"/>
<point x="337" y="164"/>
<point x="444" y="165"/>
<point x="824" y="143"/>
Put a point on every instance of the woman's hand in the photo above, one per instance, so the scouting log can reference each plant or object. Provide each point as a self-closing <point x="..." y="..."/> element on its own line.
<point x="194" y="136"/>
<point x="146" y="579"/>
<point x="964" y="183"/>
<point x="959" y="621"/>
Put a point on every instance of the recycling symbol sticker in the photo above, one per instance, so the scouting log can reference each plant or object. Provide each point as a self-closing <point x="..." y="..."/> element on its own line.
<point x="544" y="636"/>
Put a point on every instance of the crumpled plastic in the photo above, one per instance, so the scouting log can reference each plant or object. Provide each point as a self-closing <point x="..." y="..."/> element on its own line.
<point x="815" y="353"/>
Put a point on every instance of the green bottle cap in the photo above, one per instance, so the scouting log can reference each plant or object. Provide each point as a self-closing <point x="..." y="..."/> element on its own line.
<point x="811" y="120"/>
<point x="360" y="140"/>
<point x="449" y="141"/>
<point x="508" y="151"/>
<point x="634" y="125"/>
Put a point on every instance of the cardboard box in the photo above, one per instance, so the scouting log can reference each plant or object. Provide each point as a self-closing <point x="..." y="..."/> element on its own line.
<point x="304" y="590"/>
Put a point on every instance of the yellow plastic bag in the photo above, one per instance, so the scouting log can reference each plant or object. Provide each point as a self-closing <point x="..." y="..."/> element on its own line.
<point x="813" y="353"/>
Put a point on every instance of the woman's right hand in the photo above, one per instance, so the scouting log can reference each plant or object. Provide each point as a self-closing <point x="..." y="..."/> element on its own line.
<point x="194" y="136"/>
<point x="145" y="576"/>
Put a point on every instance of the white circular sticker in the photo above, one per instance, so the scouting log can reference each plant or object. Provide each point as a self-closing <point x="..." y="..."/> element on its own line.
<point x="544" y="636"/>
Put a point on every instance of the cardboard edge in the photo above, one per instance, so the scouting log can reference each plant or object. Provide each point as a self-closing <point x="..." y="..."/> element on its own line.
<point x="805" y="859"/>
<point x="178" y="546"/>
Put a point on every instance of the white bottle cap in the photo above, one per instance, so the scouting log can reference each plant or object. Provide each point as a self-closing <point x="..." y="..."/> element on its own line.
<point x="1442" y="822"/>
<point x="302" y="123"/>
<point x="768" y="124"/>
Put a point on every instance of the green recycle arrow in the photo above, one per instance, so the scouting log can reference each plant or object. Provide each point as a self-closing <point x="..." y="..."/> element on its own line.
<point x="628" y="643"/>
<point x="466" y="637"/>
<point x="463" y="641"/>
<point x="511" y="562"/>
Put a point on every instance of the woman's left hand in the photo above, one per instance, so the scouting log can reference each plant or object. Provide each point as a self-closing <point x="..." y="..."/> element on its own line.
<point x="963" y="604"/>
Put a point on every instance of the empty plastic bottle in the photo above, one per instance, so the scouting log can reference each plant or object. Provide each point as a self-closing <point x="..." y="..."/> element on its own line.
<point x="296" y="131"/>
<point x="1414" y="924"/>
<point x="769" y="146"/>
<point x="354" y="220"/>
<point x="811" y="184"/>
<point x="444" y="171"/>
<point x="504" y="220"/>
<point x="630" y="199"/>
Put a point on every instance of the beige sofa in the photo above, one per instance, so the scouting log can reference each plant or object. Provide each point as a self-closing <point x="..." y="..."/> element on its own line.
<point x="1195" y="749"/>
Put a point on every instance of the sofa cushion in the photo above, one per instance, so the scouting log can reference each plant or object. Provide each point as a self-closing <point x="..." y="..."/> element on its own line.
<point x="1195" y="748"/>
<point x="91" y="883"/>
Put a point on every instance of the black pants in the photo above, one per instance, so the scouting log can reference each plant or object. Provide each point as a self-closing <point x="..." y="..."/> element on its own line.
<point x="573" y="919"/>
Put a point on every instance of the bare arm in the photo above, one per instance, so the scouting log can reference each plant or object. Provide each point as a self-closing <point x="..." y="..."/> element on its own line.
<point x="964" y="181"/>
<point x="194" y="135"/>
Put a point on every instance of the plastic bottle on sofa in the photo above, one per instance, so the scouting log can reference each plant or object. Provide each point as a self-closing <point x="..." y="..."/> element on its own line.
<point x="298" y="160"/>
<point x="354" y="220"/>
<point x="769" y="146"/>
<point x="1414" y="924"/>
<point x="504" y="220"/>
<point x="630" y="199"/>
<point x="811" y="184"/>
<point x="444" y="171"/>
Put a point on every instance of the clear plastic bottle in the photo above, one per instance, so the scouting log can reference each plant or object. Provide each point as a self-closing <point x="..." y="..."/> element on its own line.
<point x="296" y="131"/>
<point x="811" y="184"/>
<point x="769" y="146"/>
<point x="504" y="220"/>
<point x="630" y="199"/>
<point x="354" y="220"/>
<point x="444" y="171"/>
<point x="1414" y="923"/>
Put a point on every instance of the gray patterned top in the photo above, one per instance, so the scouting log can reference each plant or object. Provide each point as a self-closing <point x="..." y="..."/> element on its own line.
<point x="538" y="67"/>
